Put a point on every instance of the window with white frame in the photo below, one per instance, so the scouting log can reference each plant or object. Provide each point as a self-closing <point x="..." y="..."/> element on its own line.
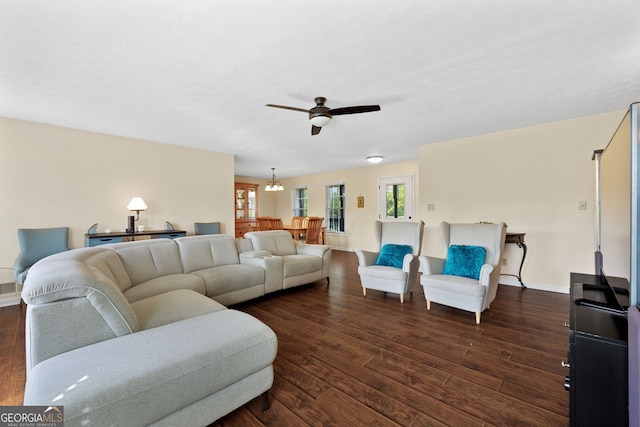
<point x="299" y="199"/>
<point x="335" y="207"/>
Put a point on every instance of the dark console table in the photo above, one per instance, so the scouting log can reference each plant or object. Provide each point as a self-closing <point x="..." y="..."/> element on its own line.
<point x="597" y="357"/>
<point x="518" y="239"/>
<point x="104" y="238"/>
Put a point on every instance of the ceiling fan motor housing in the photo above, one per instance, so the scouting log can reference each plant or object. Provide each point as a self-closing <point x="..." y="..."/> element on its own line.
<point x="320" y="111"/>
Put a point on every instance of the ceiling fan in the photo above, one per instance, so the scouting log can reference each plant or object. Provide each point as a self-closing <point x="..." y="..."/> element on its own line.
<point x="321" y="115"/>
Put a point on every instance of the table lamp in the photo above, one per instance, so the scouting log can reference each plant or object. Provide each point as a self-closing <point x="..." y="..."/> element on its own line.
<point x="136" y="204"/>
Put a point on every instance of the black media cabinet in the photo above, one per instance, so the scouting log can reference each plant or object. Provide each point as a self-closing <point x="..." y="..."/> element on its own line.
<point x="597" y="357"/>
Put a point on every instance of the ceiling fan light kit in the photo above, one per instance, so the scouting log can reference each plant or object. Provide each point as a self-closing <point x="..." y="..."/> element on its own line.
<point x="375" y="159"/>
<point x="320" y="115"/>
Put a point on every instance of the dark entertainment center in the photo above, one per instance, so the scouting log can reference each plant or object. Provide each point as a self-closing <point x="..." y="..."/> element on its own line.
<point x="604" y="337"/>
<point x="597" y="357"/>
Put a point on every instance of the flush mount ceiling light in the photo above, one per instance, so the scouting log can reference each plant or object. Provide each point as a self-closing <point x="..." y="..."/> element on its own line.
<point x="375" y="159"/>
<point x="273" y="185"/>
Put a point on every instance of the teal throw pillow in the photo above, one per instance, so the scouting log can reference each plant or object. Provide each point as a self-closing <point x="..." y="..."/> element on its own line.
<point x="392" y="255"/>
<point x="464" y="261"/>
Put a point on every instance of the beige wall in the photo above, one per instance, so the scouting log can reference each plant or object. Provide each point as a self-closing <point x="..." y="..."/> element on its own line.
<point x="53" y="176"/>
<point x="532" y="179"/>
<point x="359" y="182"/>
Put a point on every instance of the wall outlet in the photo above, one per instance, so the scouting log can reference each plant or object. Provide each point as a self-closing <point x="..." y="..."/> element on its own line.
<point x="431" y="207"/>
<point x="582" y="205"/>
<point x="504" y="262"/>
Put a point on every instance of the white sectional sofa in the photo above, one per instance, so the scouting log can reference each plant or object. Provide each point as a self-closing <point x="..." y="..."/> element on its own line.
<point x="138" y="333"/>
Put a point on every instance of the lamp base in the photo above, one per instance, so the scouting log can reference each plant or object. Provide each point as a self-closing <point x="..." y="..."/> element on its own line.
<point x="132" y="224"/>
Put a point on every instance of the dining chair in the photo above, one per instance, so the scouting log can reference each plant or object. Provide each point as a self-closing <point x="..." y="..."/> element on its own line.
<point x="314" y="227"/>
<point x="276" y="224"/>
<point x="296" y="222"/>
<point x="264" y="223"/>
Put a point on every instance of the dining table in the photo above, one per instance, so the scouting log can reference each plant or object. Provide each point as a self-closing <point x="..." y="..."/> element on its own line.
<point x="297" y="231"/>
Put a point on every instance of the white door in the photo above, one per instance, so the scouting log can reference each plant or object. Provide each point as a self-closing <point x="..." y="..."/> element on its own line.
<point x="395" y="198"/>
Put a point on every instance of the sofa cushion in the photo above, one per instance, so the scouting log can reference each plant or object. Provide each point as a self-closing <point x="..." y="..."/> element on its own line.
<point x="140" y="378"/>
<point x="382" y="272"/>
<point x="464" y="261"/>
<point x="147" y="259"/>
<point x="277" y="242"/>
<point x="229" y="278"/>
<point x="164" y="284"/>
<point x="456" y="286"/>
<point x="202" y="252"/>
<point x="297" y="265"/>
<point x="173" y="306"/>
<point x="110" y="264"/>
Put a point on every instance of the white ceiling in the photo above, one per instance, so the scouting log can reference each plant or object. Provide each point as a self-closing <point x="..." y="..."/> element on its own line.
<point x="199" y="72"/>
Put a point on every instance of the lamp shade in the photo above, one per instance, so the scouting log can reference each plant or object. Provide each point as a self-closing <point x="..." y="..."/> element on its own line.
<point x="137" y="204"/>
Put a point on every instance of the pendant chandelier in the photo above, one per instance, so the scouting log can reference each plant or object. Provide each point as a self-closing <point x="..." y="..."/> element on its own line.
<point x="273" y="185"/>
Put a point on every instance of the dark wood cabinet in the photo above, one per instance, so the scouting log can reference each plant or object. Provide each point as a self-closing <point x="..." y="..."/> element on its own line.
<point x="597" y="357"/>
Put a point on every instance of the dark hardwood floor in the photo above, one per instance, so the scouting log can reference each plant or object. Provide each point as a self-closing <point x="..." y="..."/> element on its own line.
<point x="347" y="360"/>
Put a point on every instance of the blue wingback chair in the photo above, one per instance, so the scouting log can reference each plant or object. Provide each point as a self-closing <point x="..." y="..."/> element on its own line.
<point x="35" y="244"/>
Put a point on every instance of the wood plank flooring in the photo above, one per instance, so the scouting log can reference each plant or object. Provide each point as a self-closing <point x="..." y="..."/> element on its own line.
<point x="349" y="360"/>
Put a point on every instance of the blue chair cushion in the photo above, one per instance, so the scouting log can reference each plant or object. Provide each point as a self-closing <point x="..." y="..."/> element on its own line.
<point x="206" y="227"/>
<point x="38" y="243"/>
<point x="464" y="261"/>
<point x="392" y="255"/>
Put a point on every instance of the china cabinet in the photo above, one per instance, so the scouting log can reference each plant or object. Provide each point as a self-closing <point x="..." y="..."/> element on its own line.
<point x="246" y="207"/>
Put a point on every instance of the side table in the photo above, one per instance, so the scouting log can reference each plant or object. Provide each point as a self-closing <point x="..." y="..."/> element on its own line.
<point x="518" y="239"/>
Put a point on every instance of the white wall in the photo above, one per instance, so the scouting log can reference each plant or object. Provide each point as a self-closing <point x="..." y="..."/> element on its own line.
<point x="52" y="176"/>
<point x="532" y="179"/>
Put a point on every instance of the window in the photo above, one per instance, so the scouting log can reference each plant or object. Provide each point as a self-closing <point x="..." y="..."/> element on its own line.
<point x="395" y="198"/>
<point x="299" y="199"/>
<point x="395" y="201"/>
<point x="335" y="207"/>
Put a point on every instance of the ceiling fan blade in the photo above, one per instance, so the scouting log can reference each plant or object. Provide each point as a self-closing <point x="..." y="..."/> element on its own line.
<point x="354" y="110"/>
<point x="287" y="108"/>
<point x="315" y="130"/>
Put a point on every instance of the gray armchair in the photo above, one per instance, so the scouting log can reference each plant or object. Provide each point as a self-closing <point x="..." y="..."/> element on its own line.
<point x="206" y="228"/>
<point x="394" y="267"/>
<point x="35" y="244"/>
<point x="468" y="278"/>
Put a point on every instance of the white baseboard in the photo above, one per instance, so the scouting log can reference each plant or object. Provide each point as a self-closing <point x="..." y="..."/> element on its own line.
<point x="512" y="281"/>
<point x="9" y="299"/>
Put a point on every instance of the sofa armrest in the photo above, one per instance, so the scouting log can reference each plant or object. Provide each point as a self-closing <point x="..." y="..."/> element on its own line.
<point x="272" y="265"/>
<point x="366" y="258"/>
<point x="485" y="274"/>
<point x="254" y="254"/>
<point x="409" y="261"/>
<point x="309" y="249"/>
<point x="431" y="265"/>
